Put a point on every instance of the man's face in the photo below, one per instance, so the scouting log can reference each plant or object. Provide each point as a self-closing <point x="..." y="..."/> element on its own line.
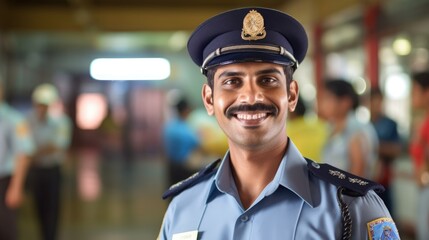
<point x="41" y="110"/>
<point x="250" y="102"/>
<point x="333" y="107"/>
<point x="328" y="105"/>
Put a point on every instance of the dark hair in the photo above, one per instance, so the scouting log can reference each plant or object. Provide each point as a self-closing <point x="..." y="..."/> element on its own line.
<point x="288" y="70"/>
<point x="422" y="78"/>
<point x="182" y="105"/>
<point x="300" y="108"/>
<point x="341" y="88"/>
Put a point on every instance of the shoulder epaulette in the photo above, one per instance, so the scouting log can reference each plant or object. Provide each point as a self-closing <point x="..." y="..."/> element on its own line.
<point x="192" y="180"/>
<point x="354" y="185"/>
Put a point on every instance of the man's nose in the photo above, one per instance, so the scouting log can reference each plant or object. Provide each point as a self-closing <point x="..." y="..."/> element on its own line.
<point x="251" y="94"/>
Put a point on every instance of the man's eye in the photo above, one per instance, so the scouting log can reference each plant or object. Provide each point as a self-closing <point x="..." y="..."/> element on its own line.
<point x="231" y="81"/>
<point x="268" y="80"/>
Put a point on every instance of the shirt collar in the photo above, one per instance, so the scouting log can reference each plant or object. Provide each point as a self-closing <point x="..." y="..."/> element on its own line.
<point x="291" y="174"/>
<point x="295" y="175"/>
<point x="224" y="180"/>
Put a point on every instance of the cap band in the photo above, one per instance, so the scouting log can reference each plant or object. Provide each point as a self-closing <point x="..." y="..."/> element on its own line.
<point x="264" y="48"/>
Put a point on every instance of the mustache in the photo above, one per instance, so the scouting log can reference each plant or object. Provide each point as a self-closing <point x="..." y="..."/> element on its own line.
<point x="251" y="108"/>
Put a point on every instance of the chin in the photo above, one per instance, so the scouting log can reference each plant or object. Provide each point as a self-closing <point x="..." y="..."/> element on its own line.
<point x="250" y="141"/>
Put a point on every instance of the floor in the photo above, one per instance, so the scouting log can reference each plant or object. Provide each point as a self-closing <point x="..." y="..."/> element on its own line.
<point x="107" y="199"/>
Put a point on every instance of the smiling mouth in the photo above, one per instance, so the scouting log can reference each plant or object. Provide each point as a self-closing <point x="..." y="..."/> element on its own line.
<point x="251" y="120"/>
<point x="251" y="115"/>
<point x="247" y="116"/>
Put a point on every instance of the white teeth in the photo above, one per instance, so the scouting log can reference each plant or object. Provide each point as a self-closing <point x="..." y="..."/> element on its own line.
<point x="251" y="116"/>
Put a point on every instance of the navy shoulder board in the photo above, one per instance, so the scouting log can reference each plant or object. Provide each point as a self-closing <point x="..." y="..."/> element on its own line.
<point x="354" y="185"/>
<point x="192" y="180"/>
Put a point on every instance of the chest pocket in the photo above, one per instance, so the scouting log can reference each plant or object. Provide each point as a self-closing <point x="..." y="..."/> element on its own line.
<point x="5" y="142"/>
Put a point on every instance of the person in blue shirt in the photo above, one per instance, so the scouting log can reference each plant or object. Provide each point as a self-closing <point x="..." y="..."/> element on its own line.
<point x="180" y="142"/>
<point x="390" y="145"/>
<point x="263" y="188"/>
<point x="16" y="147"/>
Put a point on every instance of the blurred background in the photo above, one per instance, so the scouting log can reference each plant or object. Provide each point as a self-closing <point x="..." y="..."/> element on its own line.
<point x="116" y="166"/>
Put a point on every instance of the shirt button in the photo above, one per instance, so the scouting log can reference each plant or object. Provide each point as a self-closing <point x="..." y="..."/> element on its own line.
<point x="315" y="165"/>
<point x="244" y="218"/>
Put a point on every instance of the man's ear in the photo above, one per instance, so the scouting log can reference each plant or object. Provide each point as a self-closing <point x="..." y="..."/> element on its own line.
<point x="293" y="95"/>
<point x="207" y="94"/>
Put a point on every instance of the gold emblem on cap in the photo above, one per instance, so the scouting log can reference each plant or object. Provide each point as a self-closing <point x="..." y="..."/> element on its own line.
<point x="253" y="26"/>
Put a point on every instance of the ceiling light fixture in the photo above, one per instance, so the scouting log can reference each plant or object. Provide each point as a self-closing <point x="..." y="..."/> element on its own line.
<point x="130" y="69"/>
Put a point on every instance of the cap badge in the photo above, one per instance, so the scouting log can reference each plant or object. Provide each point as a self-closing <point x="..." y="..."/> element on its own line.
<point x="253" y="26"/>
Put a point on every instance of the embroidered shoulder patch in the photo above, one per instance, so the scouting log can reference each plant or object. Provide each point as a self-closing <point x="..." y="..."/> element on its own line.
<point x="382" y="228"/>
<point x="192" y="180"/>
<point x="354" y="185"/>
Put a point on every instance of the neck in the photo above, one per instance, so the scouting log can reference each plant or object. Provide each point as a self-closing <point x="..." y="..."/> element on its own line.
<point x="254" y="170"/>
<point x="42" y="118"/>
<point x="375" y="116"/>
<point x="339" y="124"/>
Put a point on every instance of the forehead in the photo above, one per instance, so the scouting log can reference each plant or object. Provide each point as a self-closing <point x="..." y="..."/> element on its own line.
<point x="328" y="94"/>
<point x="40" y="105"/>
<point x="249" y="68"/>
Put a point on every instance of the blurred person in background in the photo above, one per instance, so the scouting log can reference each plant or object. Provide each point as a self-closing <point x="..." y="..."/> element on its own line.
<point x="15" y="148"/>
<point x="51" y="135"/>
<point x="419" y="149"/>
<point x="390" y="146"/>
<point x="180" y="142"/>
<point x="351" y="144"/>
<point x="308" y="133"/>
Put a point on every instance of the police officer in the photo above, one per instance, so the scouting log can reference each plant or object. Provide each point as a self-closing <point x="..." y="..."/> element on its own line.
<point x="263" y="188"/>
<point x="15" y="147"/>
<point x="52" y="138"/>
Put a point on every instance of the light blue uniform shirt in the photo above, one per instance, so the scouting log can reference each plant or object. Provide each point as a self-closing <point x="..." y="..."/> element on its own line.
<point x="295" y="205"/>
<point x="54" y="131"/>
<point x="15" y="139"/>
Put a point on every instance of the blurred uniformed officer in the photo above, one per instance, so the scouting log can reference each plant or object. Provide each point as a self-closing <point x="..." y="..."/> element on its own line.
<point x="264" y="188"/>
<point x="52" y="138"/>
<point x="15" y="147"/>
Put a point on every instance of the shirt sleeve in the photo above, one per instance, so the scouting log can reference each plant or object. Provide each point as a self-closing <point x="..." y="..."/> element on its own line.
<point x="164" y="233"/>
<point x="63" y="132"/>
<point x="22" y="140"/>
<point x="418" y="145"/>
<point x="370" y="218"/>
<point x="394" y="133"/>
<point x="425" y="135"/>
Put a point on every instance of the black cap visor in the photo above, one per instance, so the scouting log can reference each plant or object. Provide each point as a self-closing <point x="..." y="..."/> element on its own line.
<point x="241" y="57"/>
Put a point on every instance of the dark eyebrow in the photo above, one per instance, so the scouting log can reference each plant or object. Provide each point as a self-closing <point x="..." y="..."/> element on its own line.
<point x="268" y="71"/>
<point x="261" y="72"/>
<point x="231" y="74"/>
